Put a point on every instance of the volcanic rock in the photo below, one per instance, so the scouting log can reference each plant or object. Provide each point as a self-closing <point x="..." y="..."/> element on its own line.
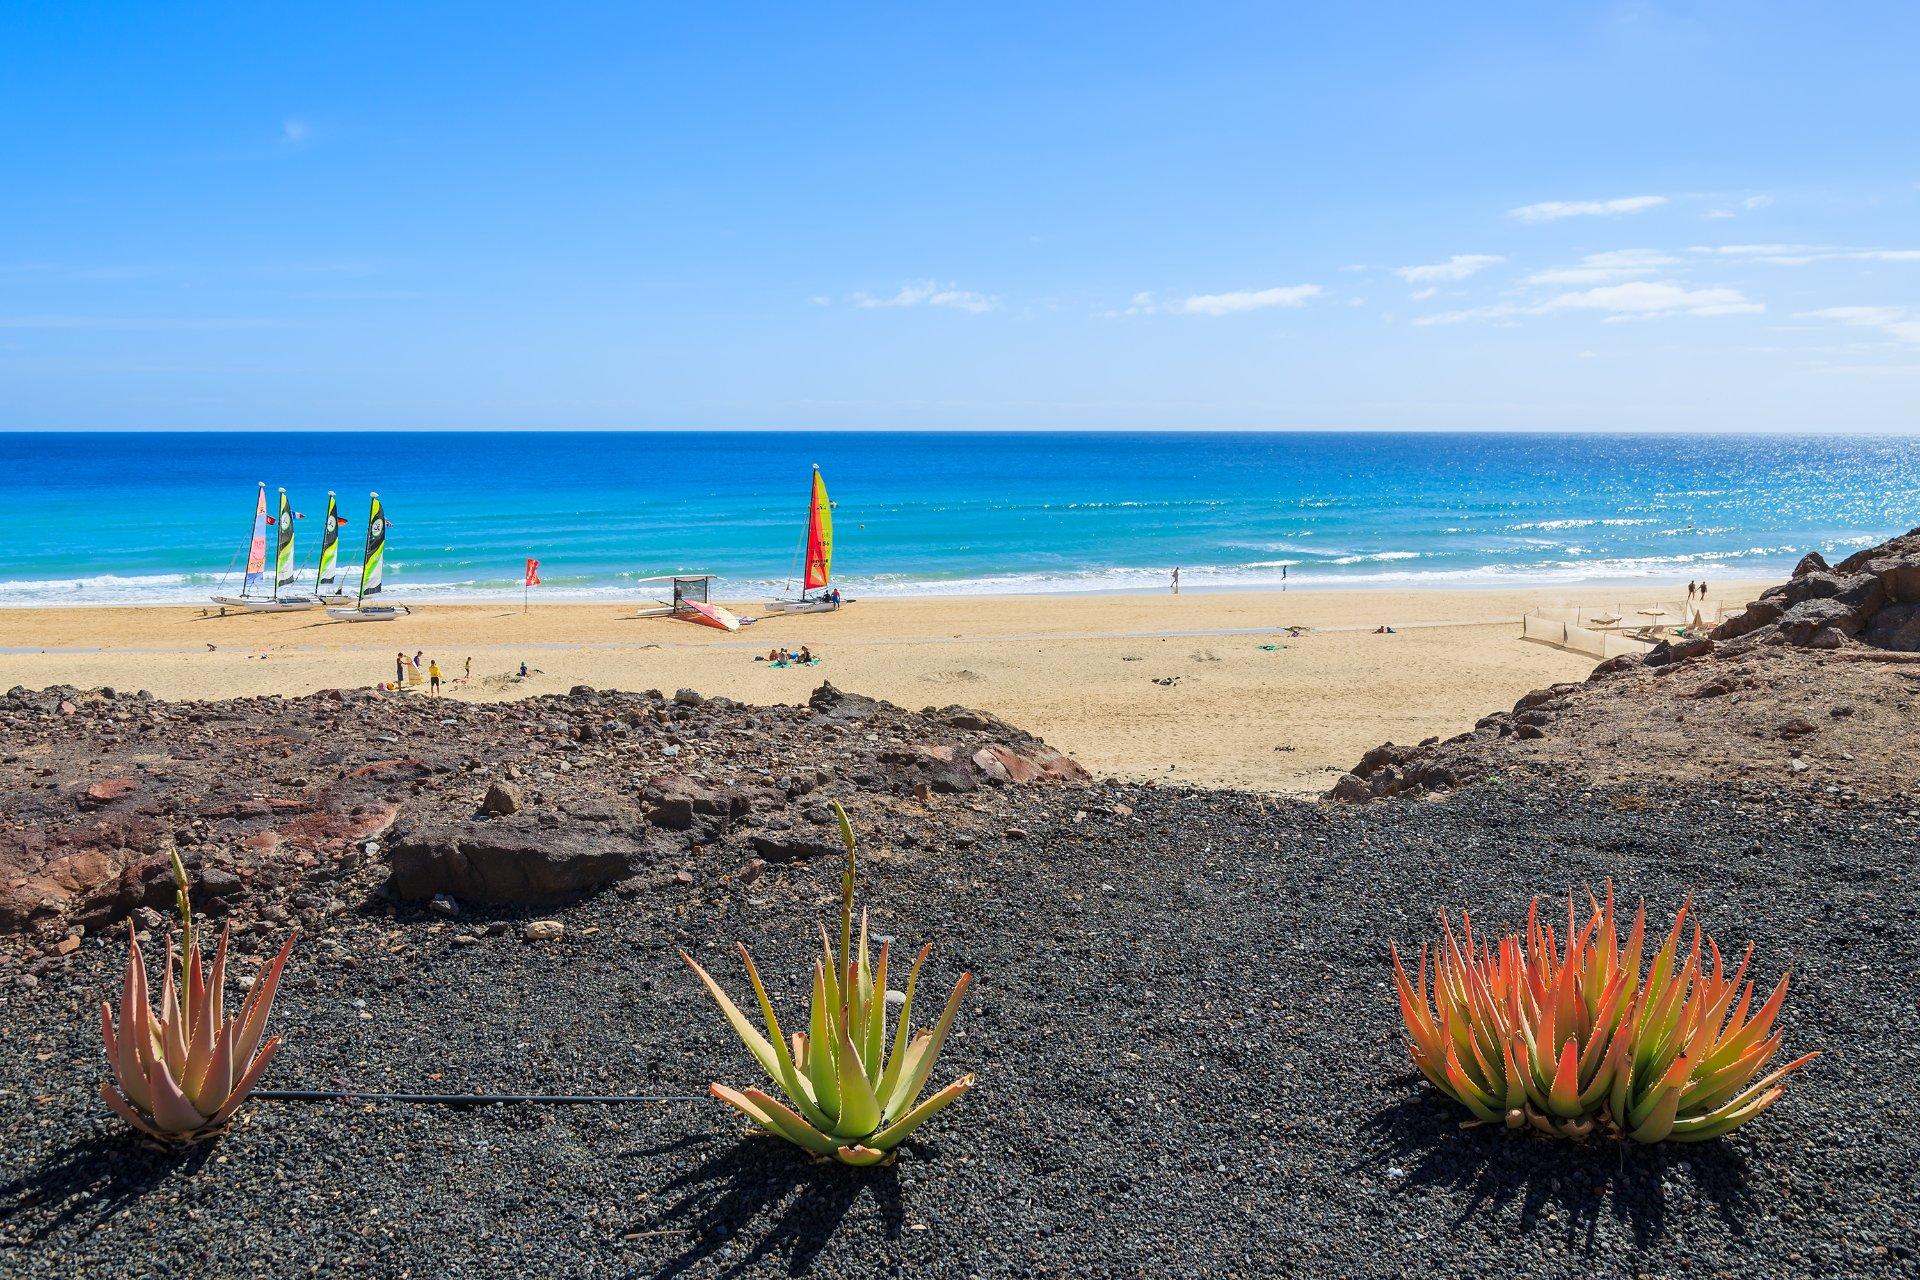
<point x="493" y="863"/>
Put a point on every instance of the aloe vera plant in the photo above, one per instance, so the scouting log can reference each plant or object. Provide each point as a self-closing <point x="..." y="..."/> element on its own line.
<point x="852" y="1099"/>
<point x="180" y="1077"/>
<point x="1573" y="1039"/>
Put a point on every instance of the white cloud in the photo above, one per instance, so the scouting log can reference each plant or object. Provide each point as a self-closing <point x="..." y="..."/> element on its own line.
<point x="1227" y="304"/>
<point x="1756" y="202"/>
<point x="1634" y="300"/>
<point x="1600" y="268"/>
<point x="1421" y="295"/>
<point x="1458" y="267"/>
<point x="1799" y="255"/>
<point x="295" y="132"/>
<point x="1896" y="322"/>
<point x="1655" y="298"/>
<point x="1554" y="210"/>
<point x="926" y="293"/>
<point x="821" y="300"/>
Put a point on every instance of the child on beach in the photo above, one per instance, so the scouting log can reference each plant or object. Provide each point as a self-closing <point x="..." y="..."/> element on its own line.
<point x="433" y="677"/>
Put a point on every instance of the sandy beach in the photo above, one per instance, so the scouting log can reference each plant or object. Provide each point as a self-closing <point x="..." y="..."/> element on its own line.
<point x="1134" y="686"/>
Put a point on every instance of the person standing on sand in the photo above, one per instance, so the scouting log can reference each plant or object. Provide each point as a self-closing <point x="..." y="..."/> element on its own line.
<point x="1691" y="588"/>
<point x="468" y="678"/>
<point x="1176" y="579"/>
<point x="433" y="677"/>
<point x="399" y="668"/>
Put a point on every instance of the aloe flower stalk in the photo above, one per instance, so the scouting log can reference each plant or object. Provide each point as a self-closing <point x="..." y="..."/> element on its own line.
<point x="1575" y="1039"/>
<point x="179" y="1077"/>
<point x="852" y="1099"/>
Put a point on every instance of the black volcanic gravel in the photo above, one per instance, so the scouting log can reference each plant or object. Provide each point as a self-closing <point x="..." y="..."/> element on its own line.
<point x="1188" y="1050"/>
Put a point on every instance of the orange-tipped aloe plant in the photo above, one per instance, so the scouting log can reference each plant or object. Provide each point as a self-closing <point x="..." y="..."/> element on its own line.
<point x="853" y="1100"/>
<point x="1574" y="1038"/>
<point x="179" y="1077"/>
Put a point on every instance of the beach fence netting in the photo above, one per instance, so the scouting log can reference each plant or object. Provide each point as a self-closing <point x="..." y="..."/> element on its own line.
<point x="1606" y="631"/>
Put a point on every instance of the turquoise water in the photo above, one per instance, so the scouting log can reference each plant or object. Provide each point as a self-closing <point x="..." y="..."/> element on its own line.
<point x="161" y="516"/>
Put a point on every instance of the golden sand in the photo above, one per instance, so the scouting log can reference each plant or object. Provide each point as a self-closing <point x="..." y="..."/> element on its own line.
<point x="1134" y="686"/>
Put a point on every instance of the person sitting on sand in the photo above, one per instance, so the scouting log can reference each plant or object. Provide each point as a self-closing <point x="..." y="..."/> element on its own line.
<point x="433" y="677"/>
<point x="523" y="671"/>
<point x="806" y="656"/>
<point x="1384" y="630"/>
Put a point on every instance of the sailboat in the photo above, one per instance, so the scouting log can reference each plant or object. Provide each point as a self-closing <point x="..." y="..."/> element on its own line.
<point x="816" y="549"/>
<point x="326" y="578"/>
<point x="371" y="565"/>
<point x="256" y="595"/>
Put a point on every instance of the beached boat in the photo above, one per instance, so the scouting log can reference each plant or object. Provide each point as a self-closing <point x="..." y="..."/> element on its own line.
<point x="326" y="577"/>
<point x="371" y="565"/>
<point x="688" y="602"/>
<point x="258" y="592"/>
<point x="816" y="551"/>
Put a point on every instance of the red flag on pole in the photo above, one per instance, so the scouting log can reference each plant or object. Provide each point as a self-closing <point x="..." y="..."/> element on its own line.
<point x="533" y="573"/>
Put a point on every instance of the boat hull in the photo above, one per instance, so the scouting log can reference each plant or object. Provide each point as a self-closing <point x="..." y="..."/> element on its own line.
<point x="801" y="606"/>
<point x="264" y="605"/>
<point x="373" y="613"/>
<point x="711" y="615"/>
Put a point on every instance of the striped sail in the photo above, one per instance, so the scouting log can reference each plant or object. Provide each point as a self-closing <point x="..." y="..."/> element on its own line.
<point x="376" y="548"/>
<point x="819" y="535"/>
<point x="257" y="545"/>
<point x="283" y="571"/>
<point x="326" y="579"/>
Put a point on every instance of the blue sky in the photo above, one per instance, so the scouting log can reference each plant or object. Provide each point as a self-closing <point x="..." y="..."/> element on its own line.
<point x="1628" y="216"/>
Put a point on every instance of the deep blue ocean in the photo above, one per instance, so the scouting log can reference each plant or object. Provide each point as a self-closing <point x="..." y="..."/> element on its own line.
<point x="162" y="516"/>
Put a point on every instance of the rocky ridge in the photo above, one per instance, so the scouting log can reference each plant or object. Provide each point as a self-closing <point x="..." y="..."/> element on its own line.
<point x="287" y="809"/>
<point x="1815" y="681"/>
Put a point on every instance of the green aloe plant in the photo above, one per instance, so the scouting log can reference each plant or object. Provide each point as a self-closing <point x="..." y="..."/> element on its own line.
<point x="853" y="1099"/>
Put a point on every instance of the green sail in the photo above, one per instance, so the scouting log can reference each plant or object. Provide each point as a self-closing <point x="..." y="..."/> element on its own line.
<point x="283" y="572"/>
<point x="376" y="548"/>
<point x="324" y="580"/>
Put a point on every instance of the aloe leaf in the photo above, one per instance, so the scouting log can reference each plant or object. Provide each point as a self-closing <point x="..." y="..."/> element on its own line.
<point x="244" y="1085"/>
<point x="787" y="1074"/>
<point x="909" y="1086"/>
<point x="859" y="1109"/>
<point x="890" y="1077"/>
<point x="897" y="1132"/>
<point x="749" y="1035"/>
<point x="820" y="1066"/>
<point x="858" y="1156"/>
<point x="259" y="1002"/>
<point x="127" y="1113"/>
<point x="770" y="1114"/>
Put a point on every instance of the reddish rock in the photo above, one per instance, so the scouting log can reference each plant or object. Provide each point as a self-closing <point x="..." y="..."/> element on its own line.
<point x="110" y="789"/>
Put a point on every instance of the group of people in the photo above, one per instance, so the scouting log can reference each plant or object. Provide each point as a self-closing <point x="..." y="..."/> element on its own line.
<point x="1699" y="589"/>
<point x="410" y="670"/>
<point x="782" y="657"/>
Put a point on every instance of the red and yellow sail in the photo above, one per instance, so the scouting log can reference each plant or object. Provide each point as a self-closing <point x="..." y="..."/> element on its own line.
<point x="819" y="535"/>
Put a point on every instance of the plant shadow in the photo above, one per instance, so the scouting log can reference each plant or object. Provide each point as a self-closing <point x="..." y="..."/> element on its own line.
<point x="1417" y="1144"/>
<point x="90" y="1181"/>
<point x="766" y="1193"/>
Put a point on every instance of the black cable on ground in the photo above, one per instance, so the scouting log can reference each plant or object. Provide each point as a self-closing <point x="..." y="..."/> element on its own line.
<point x="467" y="1099"/>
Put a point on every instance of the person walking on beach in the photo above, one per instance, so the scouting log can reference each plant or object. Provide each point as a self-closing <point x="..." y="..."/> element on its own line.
<point x="433" y="678"/>
<point x="1176" y="579"/>
<point x="1691" y="588"/>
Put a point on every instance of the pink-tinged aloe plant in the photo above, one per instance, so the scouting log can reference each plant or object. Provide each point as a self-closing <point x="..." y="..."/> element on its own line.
<point x="179" y="1077"/>
<point x="853" y="1101"/>
<point x="1573" y="1039"/>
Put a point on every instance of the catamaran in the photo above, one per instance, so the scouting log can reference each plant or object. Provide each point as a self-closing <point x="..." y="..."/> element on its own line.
<point x="371" y="565"/>
<point x="816" y="549"/>
<point x="255" y="594"/>
<point x="326" y="578"/>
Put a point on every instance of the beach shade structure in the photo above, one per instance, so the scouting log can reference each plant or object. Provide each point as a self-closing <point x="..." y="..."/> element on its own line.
<point x="688" y="600"/>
